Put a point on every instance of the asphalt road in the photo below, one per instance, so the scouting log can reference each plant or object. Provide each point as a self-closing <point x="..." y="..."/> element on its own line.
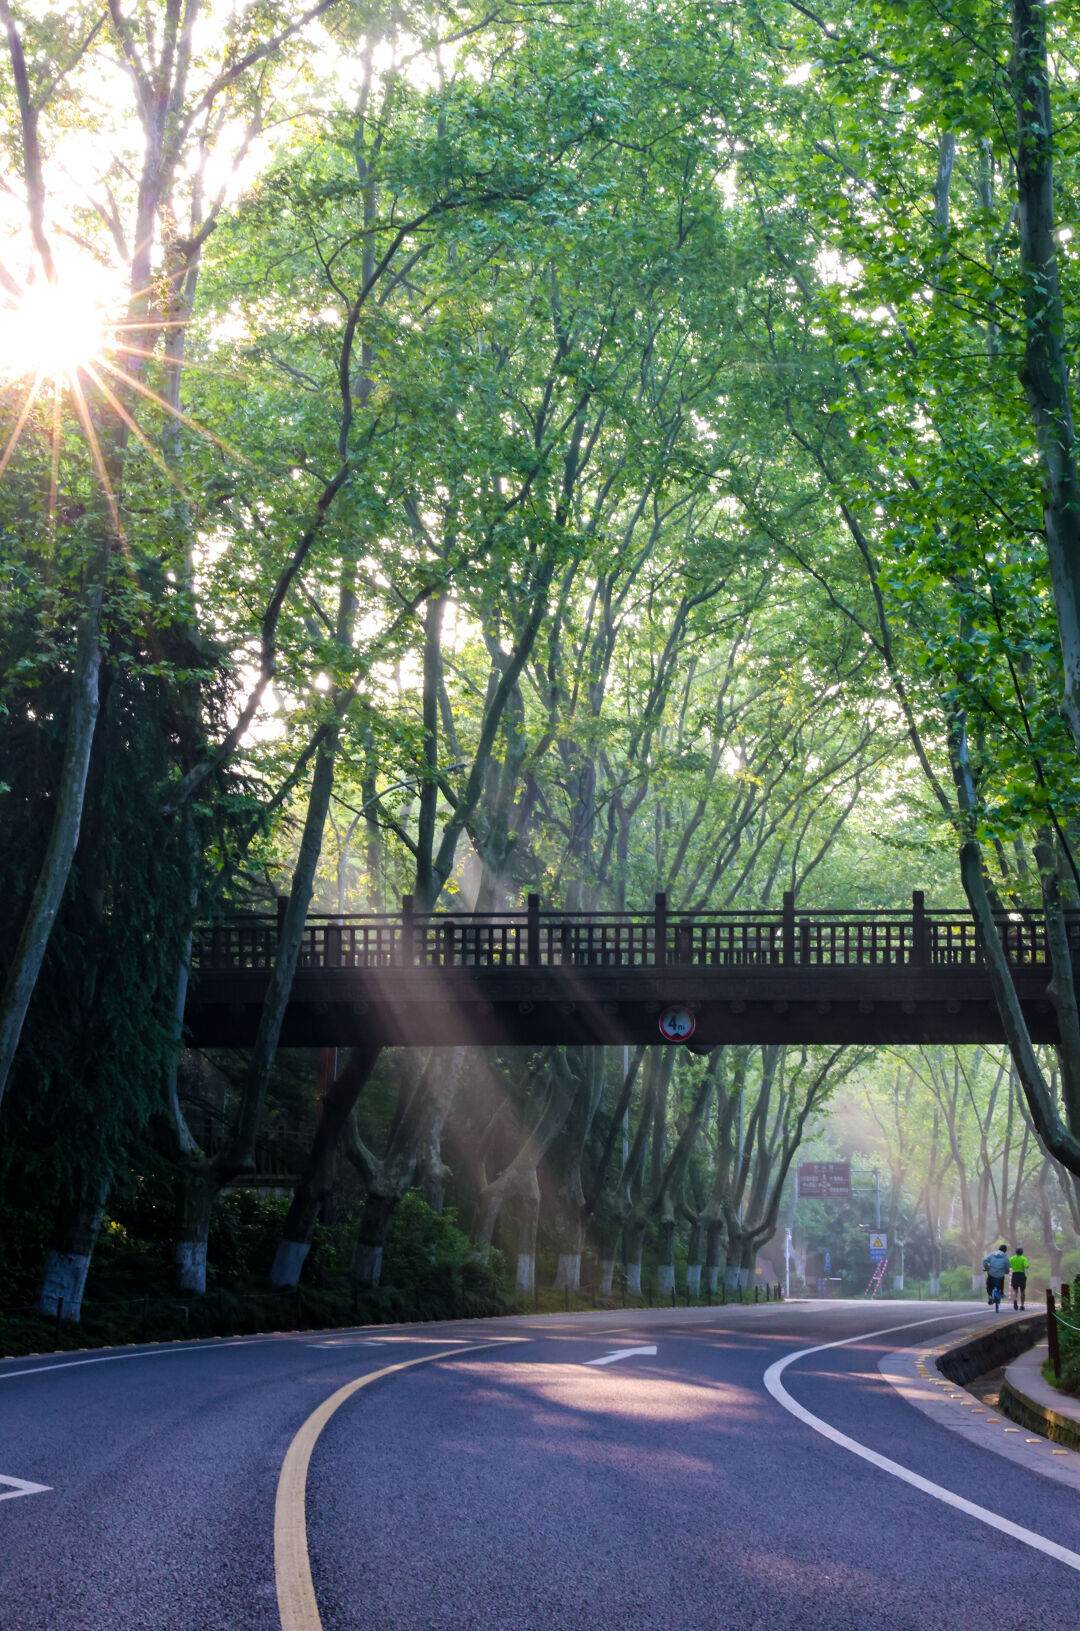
<point x="518" y="1485"/>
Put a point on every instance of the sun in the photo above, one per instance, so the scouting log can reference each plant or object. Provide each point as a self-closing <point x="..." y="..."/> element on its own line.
<point x="52" y="330"/>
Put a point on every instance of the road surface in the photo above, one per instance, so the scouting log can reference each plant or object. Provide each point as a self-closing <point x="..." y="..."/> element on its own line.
<point x="515" y="1484"/>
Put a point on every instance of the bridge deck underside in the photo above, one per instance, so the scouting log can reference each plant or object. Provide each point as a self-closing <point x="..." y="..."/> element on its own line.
<point x="424" y="1006"/>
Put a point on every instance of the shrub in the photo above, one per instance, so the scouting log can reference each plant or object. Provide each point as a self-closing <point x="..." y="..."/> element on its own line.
<point x="244" y="1232"/>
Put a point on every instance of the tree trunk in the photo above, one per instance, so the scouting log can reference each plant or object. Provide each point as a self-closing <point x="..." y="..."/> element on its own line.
<point x="198" y="1187"/>
<point x="441" y="1084"/>
<point x="375" y="1221"/>
<point x="311" y="1191"/>
<point x="665" y="1251"/>
<point x="68" y="1262"/>
<point x="693" y="1262"/>
<point x="714" y="1254"/>
<point x="633" y="1241"/>
<point x="568" y="1273"/>
<point x="1045" y="372"/>
<point x="740" y="1261"/>
<point x="55" y="870"/>
<point x="525" y="1278"/>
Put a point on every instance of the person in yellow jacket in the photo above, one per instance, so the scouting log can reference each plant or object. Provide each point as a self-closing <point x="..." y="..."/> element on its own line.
<point x="1018" y="1267"/>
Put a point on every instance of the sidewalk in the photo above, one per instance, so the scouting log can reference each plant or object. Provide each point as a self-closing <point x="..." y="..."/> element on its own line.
<point x="1026" y="1397"/>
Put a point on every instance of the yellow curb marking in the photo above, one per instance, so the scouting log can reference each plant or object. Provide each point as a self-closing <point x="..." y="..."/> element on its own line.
<point x="297" y="1606"/>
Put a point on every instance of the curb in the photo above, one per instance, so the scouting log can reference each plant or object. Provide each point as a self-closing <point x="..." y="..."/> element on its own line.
<point x="993" y="1345"/>
<point x="1061" y="1426"/>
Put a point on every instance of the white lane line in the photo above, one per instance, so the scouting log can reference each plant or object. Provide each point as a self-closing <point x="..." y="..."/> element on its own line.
<point x="620" y="1353"/>
<point x="150" y="1353"/>
<point x="20" y="1486"/>
<point x="993" y="1520"/>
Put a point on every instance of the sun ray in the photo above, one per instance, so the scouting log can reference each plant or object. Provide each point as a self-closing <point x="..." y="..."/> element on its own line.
<point x="20" y="423"/>
<point x="184" y="364"/>
<point x="178" y="413"/>
<point x="166" y="322"/>
<point x="54" y="465"/>
<point x="136" y="430"/>
<point x="90" y="433"/>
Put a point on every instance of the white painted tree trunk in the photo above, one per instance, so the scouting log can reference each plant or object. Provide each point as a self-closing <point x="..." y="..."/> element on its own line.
<point x="713" y="1277"/>
<point x="568" y="1273"/>
<point x="189" y="1265"/>
<point x="289" y="1260"/>
<point x="1055" y="1284"/>
<point x="665" y="1280"/>
<point x="633" y="1279"/>
<point x="978" y="1282"/>
<point x="734" y="1277"/>
<point x="935" y="1285"/>
<point x="68" y="1262"/>
<point x="525" y="1282"/>
<point x="199" y="1187"/>
<point x="693" y="1279"/>
<point x="367" y="1263"/>
<point x="64" y="1277"/>
<point x="607" y="1276"/>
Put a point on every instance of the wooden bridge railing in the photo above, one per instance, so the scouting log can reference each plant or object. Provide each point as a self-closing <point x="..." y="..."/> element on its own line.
<point x="538" y="938"/>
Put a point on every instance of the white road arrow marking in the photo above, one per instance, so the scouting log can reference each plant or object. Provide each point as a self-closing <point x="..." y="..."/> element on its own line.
<point x="19" y="1486"/>
<point x="620" y="1353"/>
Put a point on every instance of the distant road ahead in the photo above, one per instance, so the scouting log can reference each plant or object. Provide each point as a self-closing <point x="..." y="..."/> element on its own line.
<point x="568" y="1479"/>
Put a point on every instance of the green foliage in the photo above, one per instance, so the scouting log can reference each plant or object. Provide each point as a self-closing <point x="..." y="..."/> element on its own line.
<point x="244" y="1232"/>
<point x="1069" y="1339"/>
<point x="428" y="1255"/>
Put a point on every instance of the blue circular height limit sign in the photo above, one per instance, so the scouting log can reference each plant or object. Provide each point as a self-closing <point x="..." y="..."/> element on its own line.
<point x="677" y="1024"/>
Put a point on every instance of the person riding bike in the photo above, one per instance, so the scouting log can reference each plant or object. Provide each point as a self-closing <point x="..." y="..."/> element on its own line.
<point x="1018" y="1265"/>
<point x="996" y="1265"/>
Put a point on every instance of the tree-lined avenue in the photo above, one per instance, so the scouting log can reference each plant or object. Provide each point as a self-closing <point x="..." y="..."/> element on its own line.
<point x="499" y="1484"/>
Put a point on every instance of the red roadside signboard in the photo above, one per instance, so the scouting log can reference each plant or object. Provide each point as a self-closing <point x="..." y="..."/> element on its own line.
<point x="823" y="1178"/>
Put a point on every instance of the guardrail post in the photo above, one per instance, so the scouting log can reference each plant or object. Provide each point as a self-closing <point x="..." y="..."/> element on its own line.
<point x="660" y="930"/>
<point x="920" y="948"/>
<point x="532" y="932"/>
<point x="408" y="942"/>
<point x="1052" y="1333"/>
<point x="788" y="927"/>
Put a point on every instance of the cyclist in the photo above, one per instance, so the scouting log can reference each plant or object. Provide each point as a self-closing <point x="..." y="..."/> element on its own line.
<point x="996" y="1265"/>
<point x="1018" y="1265"/>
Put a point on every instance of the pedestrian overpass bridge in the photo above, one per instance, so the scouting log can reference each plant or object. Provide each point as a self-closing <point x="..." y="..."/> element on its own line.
<point x="540" y="976"/>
